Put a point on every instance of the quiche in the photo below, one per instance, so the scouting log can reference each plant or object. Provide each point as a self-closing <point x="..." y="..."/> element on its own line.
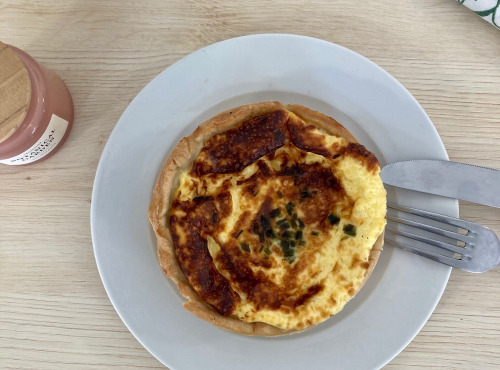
<point x="269" y="218"/>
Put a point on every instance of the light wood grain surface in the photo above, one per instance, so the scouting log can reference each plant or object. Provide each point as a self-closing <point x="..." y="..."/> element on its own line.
<point x="54" y="312"/>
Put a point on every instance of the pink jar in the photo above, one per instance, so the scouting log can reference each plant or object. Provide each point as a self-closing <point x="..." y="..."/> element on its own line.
<point x="36" y="109"/>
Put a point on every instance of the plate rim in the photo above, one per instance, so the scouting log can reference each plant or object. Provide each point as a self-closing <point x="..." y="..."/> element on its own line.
<point x="120" y="123"/>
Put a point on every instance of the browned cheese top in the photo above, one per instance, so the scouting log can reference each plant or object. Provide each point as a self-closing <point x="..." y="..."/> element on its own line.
<point x="262" y="212"/>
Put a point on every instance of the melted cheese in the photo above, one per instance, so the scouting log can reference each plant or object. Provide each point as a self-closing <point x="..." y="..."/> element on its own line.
<point x="333" y="260"/>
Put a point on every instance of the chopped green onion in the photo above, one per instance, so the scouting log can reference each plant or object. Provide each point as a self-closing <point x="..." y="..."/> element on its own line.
<point x="265" y="222"/>
<point x="350" y="229"/>
<point x="275" y="213"/>
<point x="334" y="219"/>
<point x="284" y="225"/>
<point x="301" y="223"/>
<point x="261" y="237"/>
<point x="287" y="247"/>
<point x="270" y="233"/>
<point x="202" y="198"/>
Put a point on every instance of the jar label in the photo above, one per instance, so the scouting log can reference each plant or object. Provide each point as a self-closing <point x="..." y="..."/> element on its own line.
<point x="48" y="141"/>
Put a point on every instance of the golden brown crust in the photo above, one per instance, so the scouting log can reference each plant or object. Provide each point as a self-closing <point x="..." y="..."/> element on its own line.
<point x="180" y="159"/>
<point x="328" y="124"/>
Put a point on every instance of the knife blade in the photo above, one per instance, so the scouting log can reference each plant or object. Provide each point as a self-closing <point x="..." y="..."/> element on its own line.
<point x="449" y="179"/>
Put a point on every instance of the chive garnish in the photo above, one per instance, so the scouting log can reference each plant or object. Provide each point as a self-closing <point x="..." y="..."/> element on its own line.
<point x="266" y="227"/>
<point x="315" y="233"/>
<point x="350" y="229"/>
<point x="267" y="251"/>
<point x="334" y="219"/>
<point x="291" y="259"/>
<point x="284" y="225"/>
<point x="286" y="234"/>
<point x="287" y="247"/>
<point x="238" y="234"/>
<point x="275" y="213"/>
<point x="298" y="235"/>
<point x="214" y="217"/>
<point x="289" y="208"/>
<point x="265" y="222"/>
<point x="304" y="194"/>
<point x="202" y="198"/>
<point x="301" y="223"/>
<point x="280" y="194"/>
<point x="245" y="247"/>
<point x="302" y="242"/>
<point x="270" y="233"/>
<point x="261" y="248"/>
<point x="282" y="221"/>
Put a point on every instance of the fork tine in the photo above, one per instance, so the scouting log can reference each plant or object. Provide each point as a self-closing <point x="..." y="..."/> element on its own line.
<point x="453" y="262"/>
<point x="480" y="253"/>
<point x="432" y="229"/>
<point x="433" y="216"/>
<point x="437" y="243"/>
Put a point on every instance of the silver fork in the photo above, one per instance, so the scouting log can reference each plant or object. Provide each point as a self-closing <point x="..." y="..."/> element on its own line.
<point x="454" y="242"/>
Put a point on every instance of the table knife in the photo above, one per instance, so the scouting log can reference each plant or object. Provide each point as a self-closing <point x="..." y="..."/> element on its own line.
<point x="449" y="179"/>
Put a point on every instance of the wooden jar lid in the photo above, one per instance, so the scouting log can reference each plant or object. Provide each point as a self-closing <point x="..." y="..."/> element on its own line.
<point x="15" y="91"/>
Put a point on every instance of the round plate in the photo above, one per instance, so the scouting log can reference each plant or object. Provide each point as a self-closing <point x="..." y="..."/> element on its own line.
<point x="403" y="290"/>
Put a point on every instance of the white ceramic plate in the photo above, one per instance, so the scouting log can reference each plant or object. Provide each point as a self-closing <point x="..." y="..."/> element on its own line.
<point x="403" y="290"/>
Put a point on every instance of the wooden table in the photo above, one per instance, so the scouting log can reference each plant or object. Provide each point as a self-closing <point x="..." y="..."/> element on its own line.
<point x="54" y="312"/>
